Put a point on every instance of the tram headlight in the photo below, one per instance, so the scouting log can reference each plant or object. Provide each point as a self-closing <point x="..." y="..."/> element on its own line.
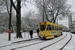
<point x="42" y="33"/>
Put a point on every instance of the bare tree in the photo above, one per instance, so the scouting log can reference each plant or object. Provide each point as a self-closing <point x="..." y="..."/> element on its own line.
<point x="54" y="9"/>
<point x="28" y="15"/>
<point x="18" y="17"/>
<point x="7" y="5"/>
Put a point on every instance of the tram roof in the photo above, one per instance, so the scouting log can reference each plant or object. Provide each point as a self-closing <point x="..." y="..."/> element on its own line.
<point x="50" y="23"/>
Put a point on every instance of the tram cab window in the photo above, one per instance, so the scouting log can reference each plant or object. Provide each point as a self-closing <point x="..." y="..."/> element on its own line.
<point x="48" y="27"/>
<point x="42" y="27"/>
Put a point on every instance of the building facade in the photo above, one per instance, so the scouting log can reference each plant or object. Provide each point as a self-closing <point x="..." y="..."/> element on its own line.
<point x="72" y="22"/>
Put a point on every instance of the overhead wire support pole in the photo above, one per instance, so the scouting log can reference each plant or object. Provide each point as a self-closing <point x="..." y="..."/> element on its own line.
<point x="10" y="15"/>
<point x="57" y="20"/>
<point x="43" y="11"/>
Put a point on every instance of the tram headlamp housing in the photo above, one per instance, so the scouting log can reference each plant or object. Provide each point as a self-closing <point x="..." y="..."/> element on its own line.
<point x="41" y="33"/>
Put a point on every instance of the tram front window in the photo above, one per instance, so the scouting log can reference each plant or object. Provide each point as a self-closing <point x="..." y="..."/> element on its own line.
<point x="42" y="27"/>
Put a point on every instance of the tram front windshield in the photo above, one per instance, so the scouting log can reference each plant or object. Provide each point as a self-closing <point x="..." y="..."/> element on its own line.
<point x="42" y="27"/>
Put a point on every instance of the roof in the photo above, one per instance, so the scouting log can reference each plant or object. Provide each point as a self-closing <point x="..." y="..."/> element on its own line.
<point x="52" y="23"/>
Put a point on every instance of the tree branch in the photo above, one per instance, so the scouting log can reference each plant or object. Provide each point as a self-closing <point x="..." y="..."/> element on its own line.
<point x="47" y="17"/>
<point x="13" y="5"/>
<point x="46" y="13"/>
<point x="6" y="5"/>
<point x="56" y="15"/>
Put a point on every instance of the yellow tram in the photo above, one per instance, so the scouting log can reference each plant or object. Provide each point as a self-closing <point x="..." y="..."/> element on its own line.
<point x="49" y="30"/>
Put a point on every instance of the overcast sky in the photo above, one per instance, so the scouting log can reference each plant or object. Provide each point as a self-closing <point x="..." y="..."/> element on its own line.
<point x="65" y="20"/>
<point x="72" y="3"/>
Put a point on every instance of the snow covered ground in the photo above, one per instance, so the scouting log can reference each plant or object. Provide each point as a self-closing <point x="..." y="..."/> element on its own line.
<point x="59" y="44"/>
<point x="71" y="44"/>
<point x="4" y="38"/>
<point x="56" y="46"/>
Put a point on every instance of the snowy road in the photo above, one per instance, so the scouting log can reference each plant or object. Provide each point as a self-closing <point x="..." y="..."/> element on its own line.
<point x="59" y="44"/>
<point x="41" y="45"/>
<point x="71" y="44"/>
<point x="53" y="44"/>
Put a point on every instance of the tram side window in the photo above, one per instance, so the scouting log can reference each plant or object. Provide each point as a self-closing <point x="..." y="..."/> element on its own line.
<point x="57" y="28"/>
<point x="61" y="29"/>
<point x="52" y="27"/>
<point x="48" y="27"/>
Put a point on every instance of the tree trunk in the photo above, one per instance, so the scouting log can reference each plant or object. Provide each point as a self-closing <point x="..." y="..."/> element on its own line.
<point x="56" y="15"/>
<point x="54" y="21"/>
<point x="18" y="16"/>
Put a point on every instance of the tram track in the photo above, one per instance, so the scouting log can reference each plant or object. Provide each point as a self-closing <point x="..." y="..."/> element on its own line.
<point x="35" y="44"/>
<point x="19" y="42"/>
<point x="66" y="42"/>
<point x="52" y="43"/>
<point x="59" y="45"/>
<point x="22" y="42"/>
<point x="39" y="42"/>
<point x="27" y="45"/>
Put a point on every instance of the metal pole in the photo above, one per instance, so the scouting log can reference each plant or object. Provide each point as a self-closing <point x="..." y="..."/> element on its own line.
<point x="43" y="10"/>
<point x="57" y="20"/>
<point x="9" y="34"/>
